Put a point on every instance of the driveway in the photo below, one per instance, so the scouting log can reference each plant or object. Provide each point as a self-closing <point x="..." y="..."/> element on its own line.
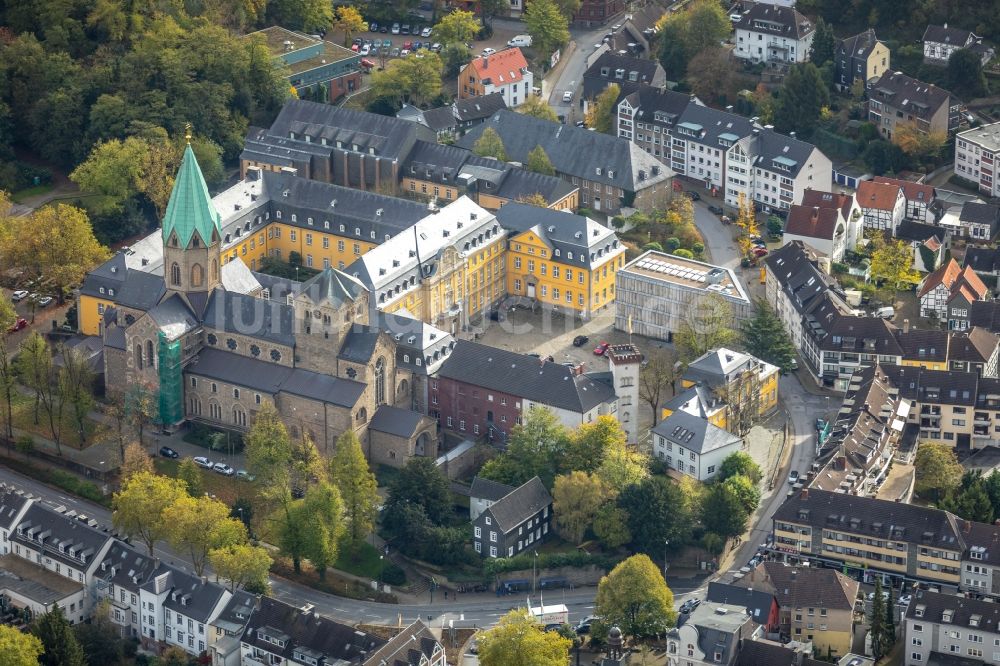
<point x="571" y="76"/>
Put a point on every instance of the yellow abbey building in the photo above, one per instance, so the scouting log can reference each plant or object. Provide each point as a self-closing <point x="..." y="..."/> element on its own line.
<point x="560" y="259"/>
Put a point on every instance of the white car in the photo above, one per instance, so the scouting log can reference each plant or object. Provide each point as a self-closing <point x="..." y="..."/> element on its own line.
<point x="568" y="96"/>
<point x="365" y="50"/>
<point x="488" y="51"/>
<point x="202" y="461"/>
<point x="224" y="469"/>
<point x="44" y="301"/>
<point x="19" y="295"/>
<point x="426" y="32"/>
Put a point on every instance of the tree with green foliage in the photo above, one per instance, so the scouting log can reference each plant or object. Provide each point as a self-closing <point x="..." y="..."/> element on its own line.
<point x="884" y="157"/>
<point x="577" y="497"/>
<point x="349" y="21"/>
<point x="413" y="80"/>
<point x="76" y="388"/>
<point x="547" y="25"/>
<point x="740" y="464"/>
<point x="764" y="336"/>
<point x="536" y="447"/>
<point x="198" y="525"/>
<point x="602" y="113"/>
<point x="243" y="565"/>
<point x="458" y="27"/>
<point x="611" y="526"/>
<point x="139" y="507"/>
<point x="455" y="57"/>
<point x="937" y="470"/>
<point x="100" y="638"/>
<point x="189" y="472"/>
<point x="420" y="483"/>
<point x="622" y="466"/>
<point x="590" y="443"/>
<point x="892" y="263"/>
<point x="59" y="644"/>
<point x="657" y="511"/>
<point x="972" y="500"/>
<point x="635" y="598"/>
<point x="539" y="162"/>
<point x="823" y="44"/>
<point x="324" y="516"/>
<point x="877" y="620"/>
<point x="699" y="27"/>
<point x="803" y="97"/>
<point x="8" y="385"/>
<point x="660" y="372"/>
<point x="350" y="474"/>
<point x="19" y="648"/>
<point x="890" y="618"/>
<point x="536" y="107"/>
<point x="489" y="144"/>
<point x="519" y="639"/>
<point x="293" y="526"/>
<point x="723" y="511"/>
<point x="304" y="15"/>
<point x="708" y="325"/>
<point x="745" y="490"/>
<point x="269" y="454"/>
<point x="965" y="75"/>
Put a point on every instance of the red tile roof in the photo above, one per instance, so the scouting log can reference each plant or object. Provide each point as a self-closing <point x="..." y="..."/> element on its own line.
<point x="880" y="196"/>
<point x="812" y="221"/>
<point x="946" y="275"/>
<point x="956" y="280"/>
<point x="501" y="68"/>
<point x="823" y="199"/>
<point x="970" y="278"/>
<point x="912" y="191"/>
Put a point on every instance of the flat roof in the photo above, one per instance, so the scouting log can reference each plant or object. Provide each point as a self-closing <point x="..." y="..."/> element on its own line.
<point x="281" y="40"/>
<point x="331" y="53"/>
<point x="987" y="136"/>
<point x="695" y="275"/>
<point x="32" y="581"/>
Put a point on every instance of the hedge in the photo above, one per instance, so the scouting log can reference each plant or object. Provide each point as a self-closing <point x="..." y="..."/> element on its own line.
<point x="576" y="558"/>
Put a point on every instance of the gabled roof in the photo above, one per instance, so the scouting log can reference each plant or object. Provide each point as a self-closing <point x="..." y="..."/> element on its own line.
<point x="501" y="68"/>
<point x="574" y="151"/>
<point x="924" y="344"/>
<point x="604" y="71"/>
<point x="173" y="317"/>
<point x="698" y="400"/>
<point x="650" y="100"/>
<point x="776" y="20"/>
<point x="919" y="232"/>
<point x="794" y="267"/>
<point x="760" y="652"/>
<point x="868" y="335"/>
<point x="942" y="34"/>
<point x="487" y="489"/>
<point x="717" y="365"/>
<point x="918" y="192"/>
<point x="566" y="232"/>
<point x="395" y="421"/>
<point x="258" y="318"/>
<point x="11" y="504"/>
<point x="359" y="344"/>
<point x="931" y="607"/>
<point x="973" y="284"/>
<point x="812" y="222"/>
<point x="551" y="384"/>
<point x="479" y="107"/>
<point x="821" y="199"/>
<point x="440" y="118"/>
<point x="982" y="259"/>
<point x="936" y="386"/>
<point x="946" y="275"/>
<point x="898" y="91"/>
<point x="860" y="45"/>
<point x="773" y="148"/>
<point x="520" y="504"/>
<point x="65" y="539"/>
<point x="981" y="213"/>
<point x="332" y="287"/>
<point x="795" y="586"/>
<point x="190" y="208"/>
<point x="757" y="602"/>
<point x="975" y="345"/>
<point x="141" y="290"/>
<point x="694" y="433"/>
<point x="877" y="196"/>
<point x="985" y="314"/>
<point x="407" y="648"/>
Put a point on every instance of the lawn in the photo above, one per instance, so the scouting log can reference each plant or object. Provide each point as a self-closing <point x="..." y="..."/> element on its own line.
<point x="24" y="419"/>
<point x="27" y="193"/>
<point x="361" y="560"/>
<point x="228" y="489"/>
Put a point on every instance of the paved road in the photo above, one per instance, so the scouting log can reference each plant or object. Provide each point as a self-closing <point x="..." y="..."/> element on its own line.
<point x="571" y="76"/>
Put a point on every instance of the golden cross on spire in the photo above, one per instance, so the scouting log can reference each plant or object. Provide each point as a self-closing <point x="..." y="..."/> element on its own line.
<point x="187" y="132"/>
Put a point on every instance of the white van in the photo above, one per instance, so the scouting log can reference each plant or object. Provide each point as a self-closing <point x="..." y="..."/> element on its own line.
<point x="519" y="40"/>
<point x="886" y="312"/>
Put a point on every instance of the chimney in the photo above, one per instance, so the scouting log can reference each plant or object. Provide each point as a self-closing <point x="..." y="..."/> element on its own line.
<point x="804" y="494"/>
<point x="815" y="214"/>
<point x="578" y="370"/>
<point x="906" y="326"/>
<point x="966" y="527"/>
<point x="791" y="134"/>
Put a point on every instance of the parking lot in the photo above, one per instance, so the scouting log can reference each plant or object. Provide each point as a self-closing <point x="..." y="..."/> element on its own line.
<point x="36" y="313"/>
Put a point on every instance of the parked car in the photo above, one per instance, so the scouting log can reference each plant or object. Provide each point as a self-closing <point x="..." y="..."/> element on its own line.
<point x="488" y="51"/>
<point x="407" y="45"/>
<point x="581" y="123"/>
<point x="568" y="96"/>
<point x="759" y="251"/>
<point x="373" y="26"/>
<point x="18" y="325"/>
<point x="356" y="48"/>
<point x="383" y="28"/>
<point x="244" y="475"/>
<point x="905" y="600"/>
<point x="365" y="50"/>
<point x="223" y="469"/>
<point x="395" y="29"/>
<point x="716" y="210"/>
<point x="427" y="32"/>
<point x="793" y="476"/>
<point x="417" y="46"/>
<point x="601" y="348"/>
<point x="694" y="196"/>
<point x="202" y="461"/>
<point x="689" y="606"/>
<point x="19" y="295"/>
<point x="405" y="29"/>
<point x="394" y="53"/>
<point x="387" y="44"/>
<point x="583" y="627"/>
<point x="366" y="63"/>
<point x="436" y="47"/>
<point x="580" y="340"/>
<point x="404" y="53"/>
<point x="871" y="595"/>
<point x="358" y="41"/>
<point x="168" y="452"/>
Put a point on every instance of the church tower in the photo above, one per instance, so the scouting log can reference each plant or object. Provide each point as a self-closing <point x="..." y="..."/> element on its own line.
<point x="192" y="235"/>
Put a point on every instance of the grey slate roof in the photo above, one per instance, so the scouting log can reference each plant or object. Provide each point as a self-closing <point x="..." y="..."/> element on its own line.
<point x="711" y="125"/>
<point x="478" y="108"/>
<point x="520" y="504"/>
<point x="141" y="290"/>
<point x="932" y="606"/>
<point x="234" y="616"/>
<point x="420" y="347"/>
<point x="643" y="70"/>
<point x="109" y="275"/>
<point x="407" y="648"/>
<point x="435" y="162"/>
<point x="757" y="602"/>
<point x="937" y="386"/>
<point x="307" y="630"/>
<point x="859" y="45"/>
<point x="58" y="530"/>
<point x="440" y="118"/>
<point x="115" y="337"/>
<point x="359" y="344"/>
<point x="518" y="183"/>
<point x="975" y="345"/>
<point x="918" y="232"/>
<point x="30" y="580"/>
<point x="11" y="504"/>
<point x="982" y="259"/>
<point x="868" y="335"/>
<point x="488" y="489"/>
<point x="550" y="384"/>
<point x="123" y="566"/>
<point x="174" y="317"/>
<point x="985" y="314"/>
<point x="333" y="287"/>
<point x="694" y="433"/>
<point x="191" y="596"/>
<point x="650" y="99"/>
<point x="342" y="392"/>
<point x="251" y="316"/>
<point x="981" y="213"/>
<point x="395" y="421"/>
<point x="943" y="34"/>
<point x="574" y="151"/>
<point x="899" y="91"/>
<point x="770" y="146"/>
<point x="776" y="20"/>
<point x="566" y="232"/>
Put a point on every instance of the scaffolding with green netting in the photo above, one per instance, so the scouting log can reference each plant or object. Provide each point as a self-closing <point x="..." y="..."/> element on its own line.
<point x="171" y="381"/>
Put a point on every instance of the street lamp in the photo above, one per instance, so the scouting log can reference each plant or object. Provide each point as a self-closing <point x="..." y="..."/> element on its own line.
<point x="381" y="568"/>
<point x="534" y="565"/>
<point x="666" y="543"/>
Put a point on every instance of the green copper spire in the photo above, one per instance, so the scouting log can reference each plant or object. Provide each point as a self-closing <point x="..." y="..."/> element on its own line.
<point x="190" y="207"/>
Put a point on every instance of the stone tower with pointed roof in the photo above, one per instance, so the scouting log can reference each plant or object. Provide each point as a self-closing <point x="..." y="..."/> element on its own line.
<point x="326" y="308"/>
<point x="192" y="236"/>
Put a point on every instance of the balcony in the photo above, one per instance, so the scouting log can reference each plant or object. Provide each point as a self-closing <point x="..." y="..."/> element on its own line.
<point x="930" y="410"/>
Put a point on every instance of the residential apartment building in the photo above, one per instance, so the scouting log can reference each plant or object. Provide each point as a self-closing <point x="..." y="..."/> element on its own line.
<point x="313" y="64"/>
<point x="712" y="634"/>
<point x="693" y="446"/>
<point x="444" y="270"/>
<point x="975" y="157"/>
<point x="595" y="12"/>
<point x="944" y="628"/>
<point x="849" y="342"/>
<point x="484" y="392"/>
<point x="625" y="71"/>
<point x="940" y="42"/>
<point x="560" y="259"/>
<point x="820" y="222"/>
<point x="416" y="645"/>
<point x="441" y="173"/>
<point x="611" y="173"/>
<point x="514" y="522"/>
<point x="354" y="149"/>
<point x="505" y="73"/>
<point x="895" y="99"/>
<point x="773" y="34"/>
<point x="814" y="605"/>
<point x="861" y="57"/>
<point x="883" y="205"/>
<point x="656" y="292"/>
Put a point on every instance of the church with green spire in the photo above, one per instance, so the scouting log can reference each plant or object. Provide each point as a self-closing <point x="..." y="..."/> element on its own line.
<point x="214" y="342"/>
